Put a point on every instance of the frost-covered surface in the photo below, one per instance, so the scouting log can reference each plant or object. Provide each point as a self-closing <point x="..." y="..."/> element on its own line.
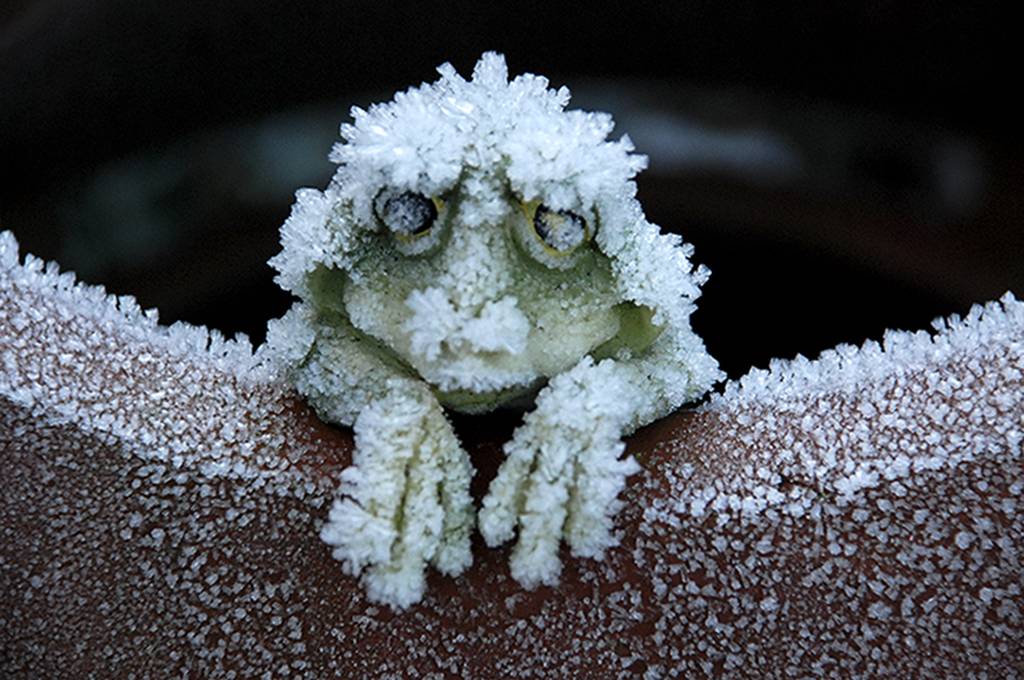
<point x="477" y="241"/>
<point x="845" y="517"/>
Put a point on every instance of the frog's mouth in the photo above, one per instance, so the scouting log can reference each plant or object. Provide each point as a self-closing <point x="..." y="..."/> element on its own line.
<point x="466" y="401"/>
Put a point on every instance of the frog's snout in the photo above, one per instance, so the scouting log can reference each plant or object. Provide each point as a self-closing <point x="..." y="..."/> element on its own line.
<point x="438" y="325"/>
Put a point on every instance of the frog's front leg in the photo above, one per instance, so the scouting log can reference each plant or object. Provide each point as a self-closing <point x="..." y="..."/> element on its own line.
<point x="404" y="502"/>
<point x="563" y="470"/>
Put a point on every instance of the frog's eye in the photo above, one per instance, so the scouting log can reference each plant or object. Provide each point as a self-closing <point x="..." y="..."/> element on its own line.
<point x="406" y="214"/>
<point x="554" y="238"/>
<point x="559" y="231"/>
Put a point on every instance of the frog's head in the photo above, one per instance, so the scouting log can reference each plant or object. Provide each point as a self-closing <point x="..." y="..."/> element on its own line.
<point x="485" y="238"/>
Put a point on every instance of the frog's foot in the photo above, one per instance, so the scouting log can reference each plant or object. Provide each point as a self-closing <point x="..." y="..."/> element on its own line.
<point x="405" y="501"/>
<point x="562" y="474"/>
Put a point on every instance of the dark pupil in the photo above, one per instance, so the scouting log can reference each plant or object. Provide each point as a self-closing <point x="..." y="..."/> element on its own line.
<point x="408" y="214"/>
<point x="561" y="229"/>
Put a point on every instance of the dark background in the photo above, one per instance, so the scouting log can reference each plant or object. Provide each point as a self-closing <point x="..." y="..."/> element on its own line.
<point x="841" y="167"/>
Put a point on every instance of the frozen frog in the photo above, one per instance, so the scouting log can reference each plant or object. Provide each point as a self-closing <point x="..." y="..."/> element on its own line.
<point x="480" y="246"/>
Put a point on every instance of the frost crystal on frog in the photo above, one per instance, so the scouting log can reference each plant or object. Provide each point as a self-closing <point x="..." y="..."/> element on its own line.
<point x="481" y="245"/>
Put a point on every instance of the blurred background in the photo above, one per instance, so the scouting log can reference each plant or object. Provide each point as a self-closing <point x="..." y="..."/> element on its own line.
<point x="842" y="168"/>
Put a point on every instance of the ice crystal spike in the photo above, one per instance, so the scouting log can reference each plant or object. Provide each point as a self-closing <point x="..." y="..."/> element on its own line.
<point x="854" y="515"/>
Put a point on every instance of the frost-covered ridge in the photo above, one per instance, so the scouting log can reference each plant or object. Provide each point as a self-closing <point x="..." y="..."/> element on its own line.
<point x="907" y="392"/>
<point x="847" y="368"/>
<point x="120" y="312"/>
<point x="74" y="354"/>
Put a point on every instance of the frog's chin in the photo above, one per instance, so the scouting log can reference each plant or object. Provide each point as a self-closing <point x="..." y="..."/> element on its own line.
<point x="473" y="402"/>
